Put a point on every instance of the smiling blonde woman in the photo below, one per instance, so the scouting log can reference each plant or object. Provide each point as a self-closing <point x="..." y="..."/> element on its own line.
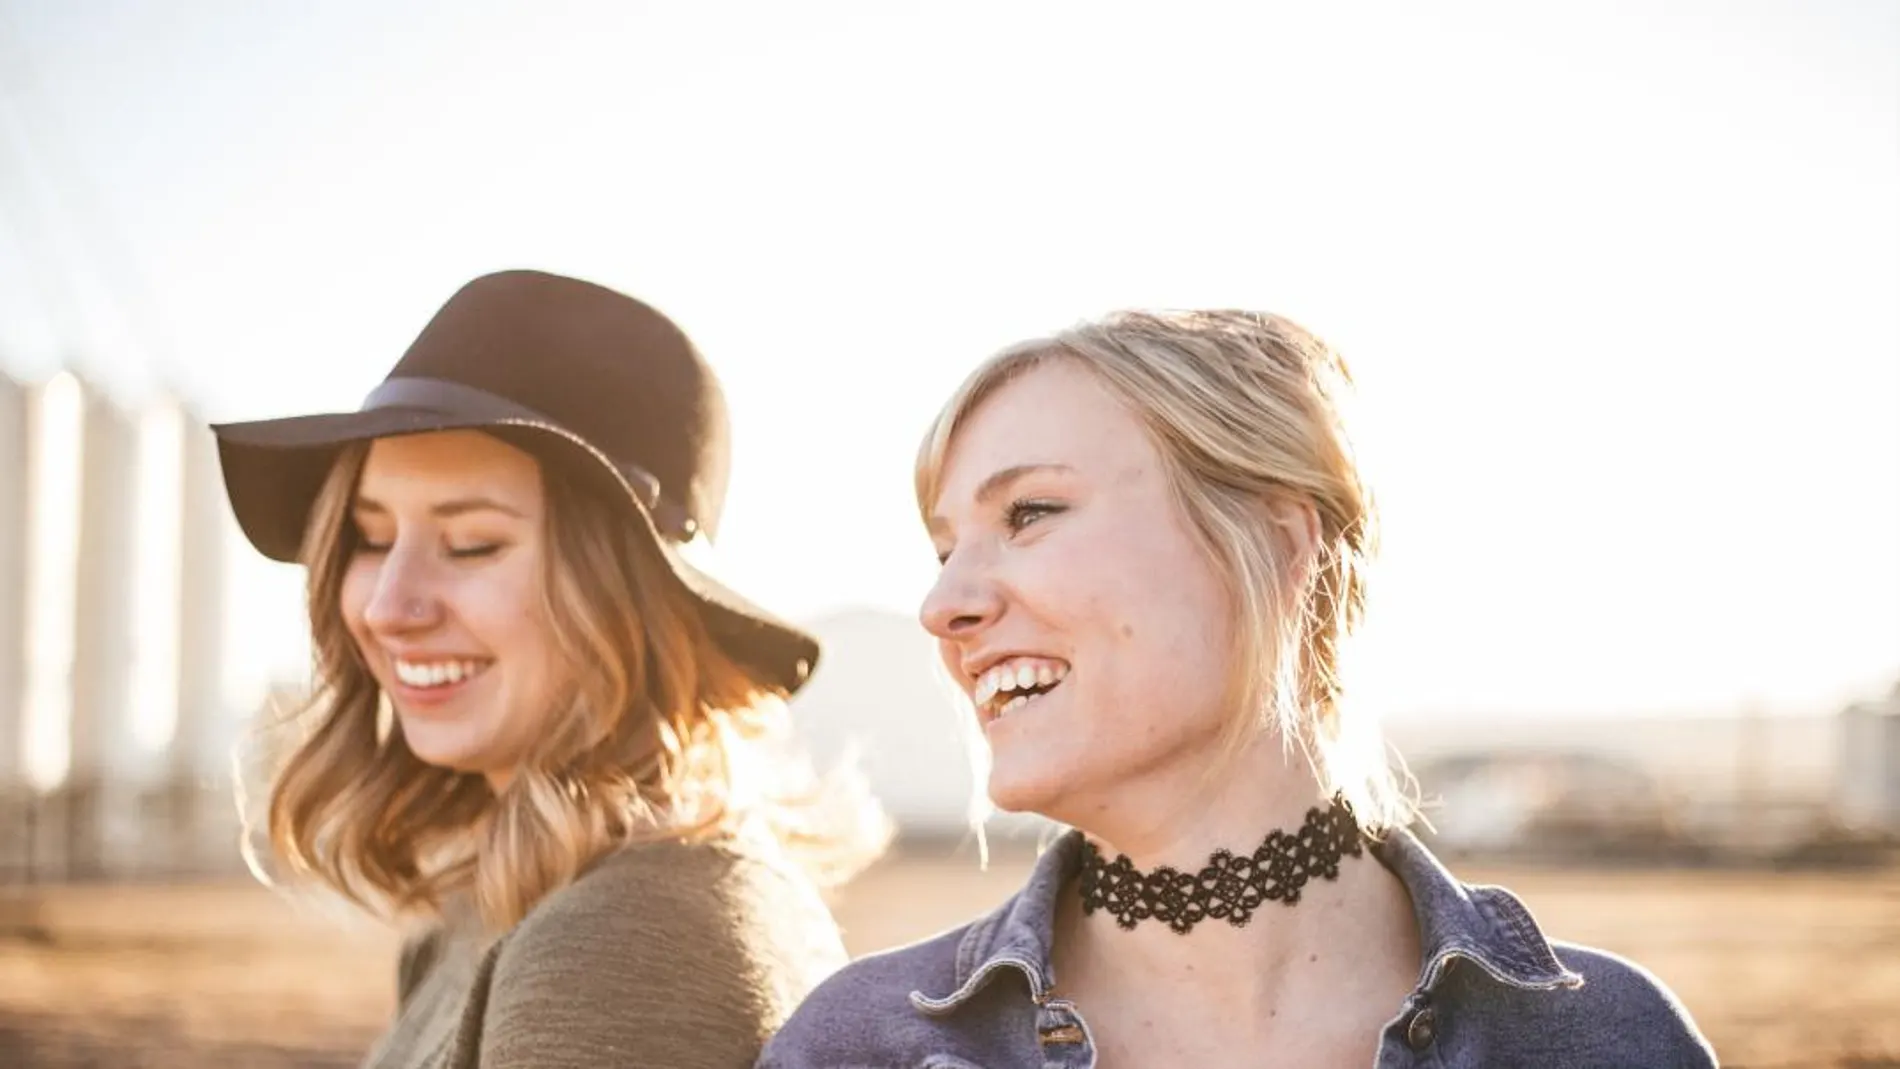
<point x="1154" y="538"/>
<point x="537" y="728"/>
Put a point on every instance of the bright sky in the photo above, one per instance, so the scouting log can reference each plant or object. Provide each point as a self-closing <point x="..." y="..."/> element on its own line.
<point x="1619" y="280"/>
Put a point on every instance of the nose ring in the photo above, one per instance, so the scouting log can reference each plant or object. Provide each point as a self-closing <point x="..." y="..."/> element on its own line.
<point x="416" y="610"/>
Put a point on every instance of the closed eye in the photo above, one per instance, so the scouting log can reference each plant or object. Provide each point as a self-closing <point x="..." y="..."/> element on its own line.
<point x="367" y="547"/>
<point x="476" y="552"/>
<point x="366" y="544"/>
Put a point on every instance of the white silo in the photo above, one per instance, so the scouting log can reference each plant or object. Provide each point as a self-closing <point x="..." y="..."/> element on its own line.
<point x="1870" y="764"/>
<point x="14" y="458"/>
<point x="103" y="766"/>
<point x="207" y="726"/>
<point x="14" y="536"/>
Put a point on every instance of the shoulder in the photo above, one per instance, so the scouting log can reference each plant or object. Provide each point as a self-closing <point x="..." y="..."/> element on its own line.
<point x="1611" y="1012"/>
<point x="420" y="951"/>
<point x="1517" y="997"/>
<point x="1629" y="1012"/>
<point x="635" y="898"/>
<point x="731" y="910"/>
<point x="689" y="955"/>
<point x="670" y="867"/>
<point x="672" y="882"/>
<point x="863" y="1014"/>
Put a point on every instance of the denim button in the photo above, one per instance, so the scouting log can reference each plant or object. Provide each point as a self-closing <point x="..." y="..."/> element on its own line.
<point x="1422" y="1028"/>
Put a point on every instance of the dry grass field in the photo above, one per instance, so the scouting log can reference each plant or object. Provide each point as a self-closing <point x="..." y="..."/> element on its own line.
<point x="1780" y="970"/>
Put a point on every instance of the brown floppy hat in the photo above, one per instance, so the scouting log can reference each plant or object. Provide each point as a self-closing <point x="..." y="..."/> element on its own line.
<point x="583" y="376"/>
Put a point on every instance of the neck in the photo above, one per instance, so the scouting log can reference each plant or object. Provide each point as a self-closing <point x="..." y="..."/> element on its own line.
<point x="1182" y="818"/>
<point x="1353" y="936"/>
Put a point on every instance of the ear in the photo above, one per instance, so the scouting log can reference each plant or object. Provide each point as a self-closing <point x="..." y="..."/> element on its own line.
<point x="1297" y="524"/>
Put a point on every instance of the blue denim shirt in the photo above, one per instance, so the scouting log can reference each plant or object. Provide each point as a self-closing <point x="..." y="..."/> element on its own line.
<point x="1491" y="991"/>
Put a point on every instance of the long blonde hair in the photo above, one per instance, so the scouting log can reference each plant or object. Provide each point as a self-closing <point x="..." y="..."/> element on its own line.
<point x="1248" y="411"/>
<point x="666" y="737"/>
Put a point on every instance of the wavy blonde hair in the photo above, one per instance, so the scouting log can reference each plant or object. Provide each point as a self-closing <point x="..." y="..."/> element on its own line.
<point x="665" y="737"/>
<point x="1248" y="412"/>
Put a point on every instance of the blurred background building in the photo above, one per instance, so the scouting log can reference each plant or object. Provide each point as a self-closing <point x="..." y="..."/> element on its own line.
<point x="114" y="731"/>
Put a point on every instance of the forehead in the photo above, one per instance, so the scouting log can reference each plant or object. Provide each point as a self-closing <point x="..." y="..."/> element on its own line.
<point x="1058" y="413"/>
<point x="449" y="461"/>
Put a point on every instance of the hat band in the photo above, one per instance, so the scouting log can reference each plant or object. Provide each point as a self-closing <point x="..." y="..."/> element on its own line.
<point x="461" y="399"/>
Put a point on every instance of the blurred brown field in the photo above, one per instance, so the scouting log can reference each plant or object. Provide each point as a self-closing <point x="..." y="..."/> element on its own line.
<point x="1781" y="970"/>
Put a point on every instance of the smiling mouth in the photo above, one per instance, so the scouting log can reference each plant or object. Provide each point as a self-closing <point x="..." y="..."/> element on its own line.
<point x="432" y="675"/>
<point x="1016" y="683"/>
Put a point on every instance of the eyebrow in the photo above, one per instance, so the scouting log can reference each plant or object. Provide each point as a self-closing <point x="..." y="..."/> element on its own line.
<point x="446" y="510"/>
<point x="999" y="481"/>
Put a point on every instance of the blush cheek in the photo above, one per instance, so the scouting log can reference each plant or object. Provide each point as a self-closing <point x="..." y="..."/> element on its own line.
<point x="351" y="601"/>
<point x="511" y="624"/>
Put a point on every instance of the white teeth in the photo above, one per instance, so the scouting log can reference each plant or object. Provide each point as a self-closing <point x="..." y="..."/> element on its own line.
<point x="1014" y="704"/>
<point x="1014" y="675"/>
<point x="436" y="674"/>
<point x="985" y="689"/>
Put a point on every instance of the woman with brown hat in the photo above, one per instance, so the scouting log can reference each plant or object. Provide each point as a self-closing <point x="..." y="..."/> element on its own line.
<point x="535" y="725"/>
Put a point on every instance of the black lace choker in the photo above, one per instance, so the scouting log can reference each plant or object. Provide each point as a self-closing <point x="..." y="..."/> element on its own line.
<point x="1232" y="886"/>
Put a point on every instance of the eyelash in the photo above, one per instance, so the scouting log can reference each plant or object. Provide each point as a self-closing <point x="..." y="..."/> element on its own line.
<point x="475" y="552"/>
<point x="364" y="545"/>
<point x="1014" y="517"/>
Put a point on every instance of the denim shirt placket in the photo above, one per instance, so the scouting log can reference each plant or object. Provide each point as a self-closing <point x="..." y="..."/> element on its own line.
<point x="1066" y="1042"/>
<point x="1062" y="1035"/>
<point x="1410" y="1041"/>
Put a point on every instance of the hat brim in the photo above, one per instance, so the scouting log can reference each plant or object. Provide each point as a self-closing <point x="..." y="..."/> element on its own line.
<point x="274" y="470"/>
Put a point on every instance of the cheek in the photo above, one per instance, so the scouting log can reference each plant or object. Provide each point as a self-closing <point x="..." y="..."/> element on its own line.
<point x="1134" y="607"/>
<point x="353" y="596"/>
<point x="1165" y="614"/>
<point x="1191" y="643"/>
<point x="505" y="612"/>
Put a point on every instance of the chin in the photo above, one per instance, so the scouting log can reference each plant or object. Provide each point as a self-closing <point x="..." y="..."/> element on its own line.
<point x="454" y="754"/>
<point x="450" y="760"/>
<point x="1032" y="790"/>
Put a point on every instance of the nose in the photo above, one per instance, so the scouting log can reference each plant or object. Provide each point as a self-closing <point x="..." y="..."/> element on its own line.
<point x="404" y="598"/>
<point x="963" y="602"/>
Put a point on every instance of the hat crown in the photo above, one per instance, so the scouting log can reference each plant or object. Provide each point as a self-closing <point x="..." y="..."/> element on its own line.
<point x="598" y="363"/>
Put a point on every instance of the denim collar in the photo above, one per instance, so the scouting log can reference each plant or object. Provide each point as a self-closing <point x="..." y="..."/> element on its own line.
<point x="1486" y="926"/>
